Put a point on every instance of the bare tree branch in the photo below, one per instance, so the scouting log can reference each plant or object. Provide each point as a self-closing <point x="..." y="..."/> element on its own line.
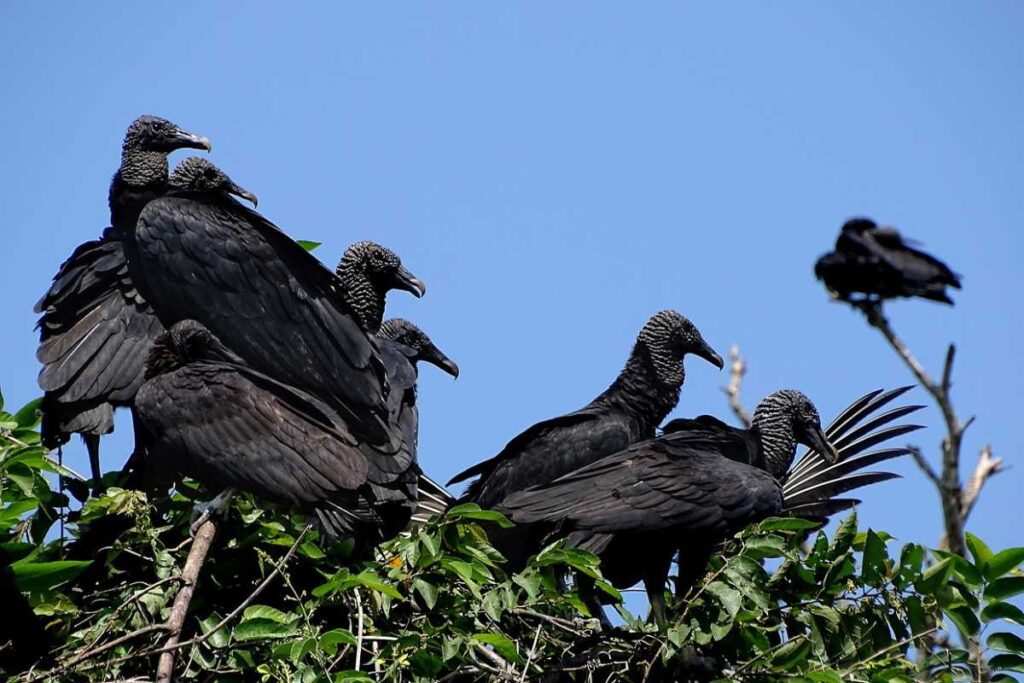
<point x="986" y="467"/>
<point x="193" y="565"/>
<point x="737" y="369"/>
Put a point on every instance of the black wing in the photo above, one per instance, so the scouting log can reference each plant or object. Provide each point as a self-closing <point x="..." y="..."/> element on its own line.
<point x="266" y="298"/>
<point x="914" y="263"/>
<point x="673" y="483"/>
<point x="95" y="333"/>
<point x="229" y="426"/>
<point x="734" y="443"/>
<point x="544" y="452"/>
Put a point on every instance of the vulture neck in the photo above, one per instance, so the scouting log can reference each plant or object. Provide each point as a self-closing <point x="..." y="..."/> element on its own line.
<point x="141" y="178"/>
<point x="647" y="389"/>
<point x="365" y="300"/>
<point x="778" y="441"/>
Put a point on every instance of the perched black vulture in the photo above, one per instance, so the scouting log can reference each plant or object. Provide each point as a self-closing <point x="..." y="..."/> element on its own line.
<point x="206" y="257"/>
<point x="402" y="346"/>
<point x="367" y="272"/>
<point x="702" y="480"/>
<point x="96" y="329"/>
<point x="880" y="264"/>
<point x="628" y="411"/>
<point x="206" y="414"/>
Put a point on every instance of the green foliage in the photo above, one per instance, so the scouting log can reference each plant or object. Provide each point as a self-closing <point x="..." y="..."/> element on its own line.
<point x="276" y="602"/>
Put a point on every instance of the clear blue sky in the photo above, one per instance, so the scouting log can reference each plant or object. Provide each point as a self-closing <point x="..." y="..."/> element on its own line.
<point x="557" y="173"/>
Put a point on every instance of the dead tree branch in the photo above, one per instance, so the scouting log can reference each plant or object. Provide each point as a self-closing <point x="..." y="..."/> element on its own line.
<point x="737" y="369"/>
<point x="193" y="565"/>
<point x="957" y="503"/>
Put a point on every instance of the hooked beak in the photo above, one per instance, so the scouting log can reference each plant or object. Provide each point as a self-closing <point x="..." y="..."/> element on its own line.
<point x="188" y="140"/>
<point x="239" y="191"/>
<point x="434" y="356"/>
<point x="815" y="438"/>
<point x="410" y="283"/>
<point x="708" y="354"/>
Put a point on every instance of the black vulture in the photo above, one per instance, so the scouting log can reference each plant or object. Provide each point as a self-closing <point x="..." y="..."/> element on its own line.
<point x="628" y="411"/>
<point x="403" y="345"/>
<point x="702" y="480"/>
<point x="880" y="264"/>
<point x="367" y="272"/>
<point x="205" y="413"/>
<point x="96" y="329"/>
<point x="205" y="256"/>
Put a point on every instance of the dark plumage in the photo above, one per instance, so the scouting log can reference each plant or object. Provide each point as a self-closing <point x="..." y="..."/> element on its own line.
<point x="880" y="264"/>
<point x="207" y="414"/>
<point x="402" y="346"/>
<point x="207" y="257"/>
<point x="628" y="411"/>
<point x="703" y="480"/>
<point x="96" y="329"/>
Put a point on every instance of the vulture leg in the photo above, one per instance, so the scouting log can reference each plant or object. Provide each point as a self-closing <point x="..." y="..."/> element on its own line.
<point x="655" y="577"/>
<point x="590" y="598"/>
<point x="693" y="563"/>
<point x="92" y="444"/>
<point x="218" y="506"/>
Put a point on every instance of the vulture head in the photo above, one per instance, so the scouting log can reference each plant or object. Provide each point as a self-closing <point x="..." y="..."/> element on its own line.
<point x="187" y="341"/>
<point x="405" y="333"/>
<point x="154" y="134"/>
<point x="787" y="418"/>
<point x="670" y="336"/>
<point x="196" y="174"/>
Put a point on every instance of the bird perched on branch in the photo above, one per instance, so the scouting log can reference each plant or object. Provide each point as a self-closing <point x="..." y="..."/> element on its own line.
<point x="96" y="328"/>
<point x="702" y="480"/>
<point x="880" y="264"/>
<point x="628" y="411"/>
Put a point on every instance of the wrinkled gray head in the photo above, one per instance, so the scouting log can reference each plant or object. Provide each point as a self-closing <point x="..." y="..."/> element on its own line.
<point x="154" y="134"/>
<point x="185" y="342"/>
<point x="784" y="419"/>
<point x="405" y="333"/>
<point x="196" y="174"/>
<point x="368" y="271"/>
<point x="669" y="337"/>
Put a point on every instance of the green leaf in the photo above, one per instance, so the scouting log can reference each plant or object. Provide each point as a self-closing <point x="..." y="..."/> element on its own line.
<point x="352" y="676"/>
<point x="1003" y="610"/>
<point x="730" y="598"/>
<point x="873" y="566"/>
<point x="330" y="641"/>
<point x="794" y="652"/>
<point x="266" y="612"/>
<point x="1007" y="662"/>
<point x="1007" y="642"/>
<point x="502" y="645"/>
<point x="220" y="638"/>
<point x="487" y="516"/>
<point x="843" y="538"/>
<point x="827" y="676"/>
<point x="1003" y="588"/>
<point x="965" y="619"/>
<point x="1002" y="562"/>
<point x="935" y="576"/>
<point x="786" y="524"/>
<point x="259" y="629"/>
<point x="308" y="245"/>
<point x="979" y="551"/>
<point x="427" y="591"/>
<point x="34" y="577"/>
<point x="28" y="416"/>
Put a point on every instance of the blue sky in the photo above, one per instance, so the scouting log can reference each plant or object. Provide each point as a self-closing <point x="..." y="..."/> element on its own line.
<point x="557" y="173"/>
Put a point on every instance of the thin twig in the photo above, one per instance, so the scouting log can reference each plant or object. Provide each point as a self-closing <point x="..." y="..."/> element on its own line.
<point x="924" y="465"/>
<point x="529" y="657"/>
<point x="737" y="370"/>
<point x="359" y="633"/>
<point x="189" y="575"/>
<point x="496" y="660"/>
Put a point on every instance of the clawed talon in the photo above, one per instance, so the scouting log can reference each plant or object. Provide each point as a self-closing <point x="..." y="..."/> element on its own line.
<point x="202" y="512"/>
